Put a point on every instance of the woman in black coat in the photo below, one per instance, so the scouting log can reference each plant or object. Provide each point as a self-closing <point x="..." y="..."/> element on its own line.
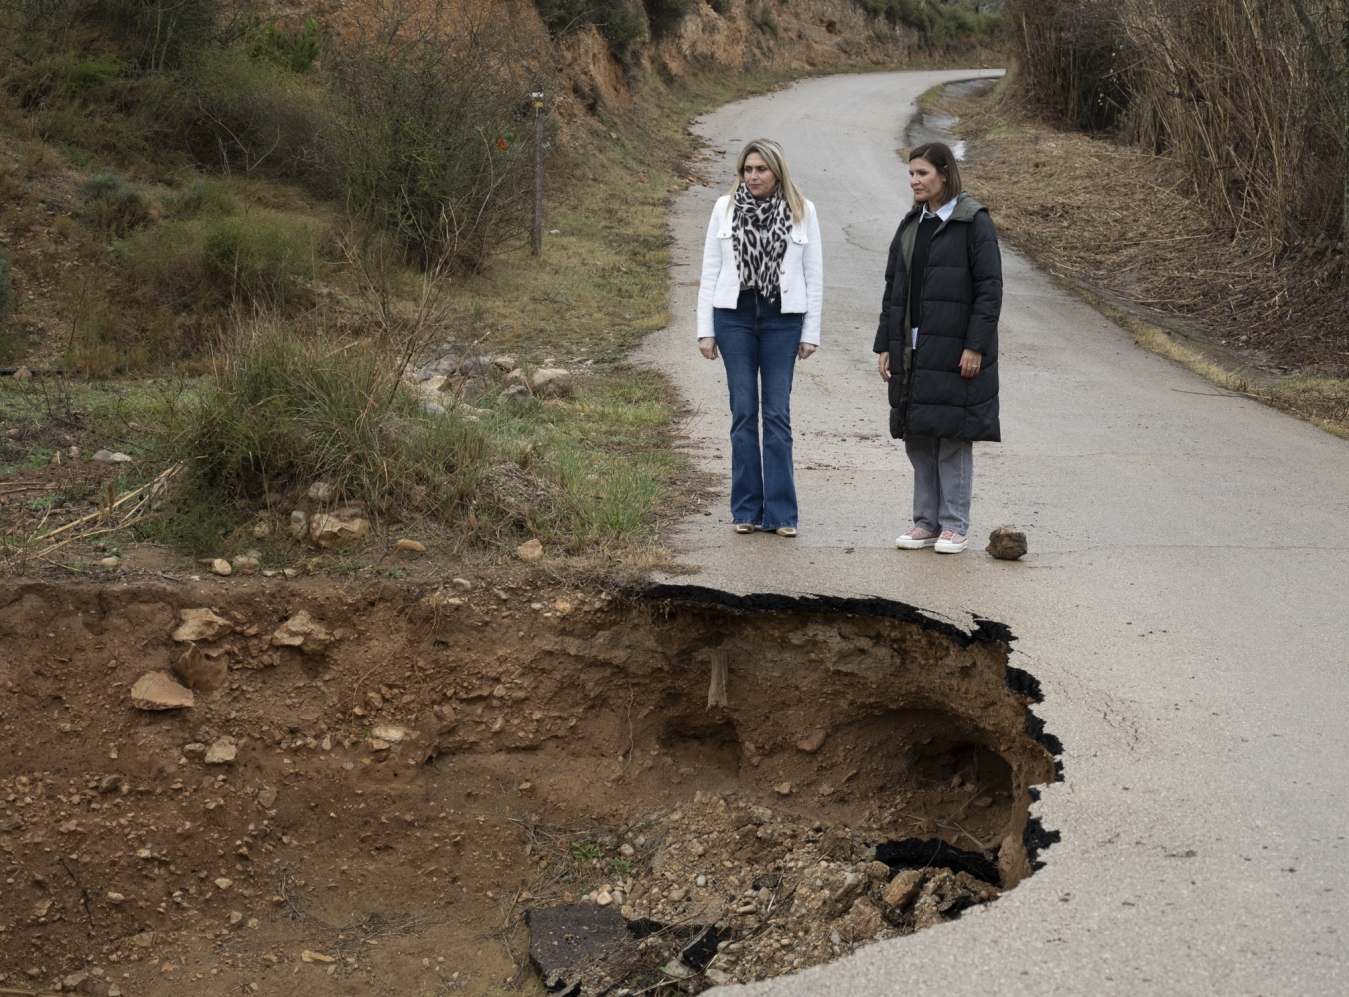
<point x="938" y="346"/>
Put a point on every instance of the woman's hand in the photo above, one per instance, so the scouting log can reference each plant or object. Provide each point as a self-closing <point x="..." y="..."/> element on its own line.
<point x="707" y="346"/>
<point x="804" y="350"/>
<point x="969" y="363"/>
<point x="883" y="362"/>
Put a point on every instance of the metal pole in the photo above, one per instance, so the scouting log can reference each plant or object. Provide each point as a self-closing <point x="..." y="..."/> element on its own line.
<point x="538" y="173"/>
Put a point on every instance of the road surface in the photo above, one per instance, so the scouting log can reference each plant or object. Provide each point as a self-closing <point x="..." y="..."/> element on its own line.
<point x="1185" y="602"/>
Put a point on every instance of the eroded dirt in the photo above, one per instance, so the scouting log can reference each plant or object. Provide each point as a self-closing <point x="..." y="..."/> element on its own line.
<point x="458" y="757"/>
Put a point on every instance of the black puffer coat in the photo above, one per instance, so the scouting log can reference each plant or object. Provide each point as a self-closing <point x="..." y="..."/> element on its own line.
<point x="962" y="297"/>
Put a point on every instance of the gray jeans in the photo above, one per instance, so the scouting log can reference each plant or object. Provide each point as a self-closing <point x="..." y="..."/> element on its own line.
<point x="943" y="480"/>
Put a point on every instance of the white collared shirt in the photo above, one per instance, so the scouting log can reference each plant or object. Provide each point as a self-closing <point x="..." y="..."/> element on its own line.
<point x="944" y="213"/>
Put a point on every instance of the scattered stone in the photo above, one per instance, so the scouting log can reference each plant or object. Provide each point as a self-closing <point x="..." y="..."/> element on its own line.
<point x="462" y="584"/>
<point x="245" y="564"/>
<point x="604" y="899"/>
<point x="783" y="789"/>
<point x="551" y="382"/>
<point x="109" y="782"/>
<point x="224" y="883"/>
<point x="321" y="491"/>
<point x="516" y="394"/>
<point x="221" y="752"/>
<point x="291" y="573"/>
<point x="336" y="530"/>
<point x="23" y="374"/>
<point x="433" y="408"/>
<point x="503" y="363"/>
<point x="303" y="632"/>
<point x="437" y="383"/>
<point x="158" y="691"/>
<point x="308" y="956"/>
<point x="299" y="523"/>
<point x="194" y="750"/>
<point x="878" y="871"/>
<point x="411" y="545"/>
<point x="108" y="456"/>
<point x="73" y="981"/>
<point x="144" y="940"/>
<point x="219" y="566"/>
<point x="266" y="798"/>
<point x="109" y="562"/>
<point x="199" y="625"/>
<point x="199" y="672"/>
<point x="262" y="530"/>
<point x="392" y="735"/>
<point x="1006" y="543"/>
<point x="236" y="916"/>
<point x="904" y="887"/>
<point x="812" y="742"/>
<point x="115" y="898"/>
<point x="530" y="550"/>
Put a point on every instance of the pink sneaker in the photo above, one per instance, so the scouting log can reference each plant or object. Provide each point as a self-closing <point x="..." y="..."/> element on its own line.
<point x="951" y="542"/>
<point x="916" y="539"/>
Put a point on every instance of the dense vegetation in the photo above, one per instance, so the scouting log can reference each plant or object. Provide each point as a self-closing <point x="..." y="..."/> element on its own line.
<point x="1249" y="98"/>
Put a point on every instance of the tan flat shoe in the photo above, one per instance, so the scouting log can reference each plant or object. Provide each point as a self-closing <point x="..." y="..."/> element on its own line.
<point x="786" y="531"/>
<point x="744" y="527"/>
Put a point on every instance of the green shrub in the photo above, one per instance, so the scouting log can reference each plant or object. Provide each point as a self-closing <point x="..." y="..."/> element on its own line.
<point x="620" y="21"/>
<point x="285" y="410"/>
<point x="93" y="73"/>
<point x="432" y="140"/>
<point x="110" y="205"/>
<point x="200" y="197"/>
<point x="767" y="21"/>
<point x="263" y="257"/>
<point x="665" y="16"/>
<point x="297" y="52"/>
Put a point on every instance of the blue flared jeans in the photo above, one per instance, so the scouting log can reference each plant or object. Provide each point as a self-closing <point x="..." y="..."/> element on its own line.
<point x="758" y="345"/>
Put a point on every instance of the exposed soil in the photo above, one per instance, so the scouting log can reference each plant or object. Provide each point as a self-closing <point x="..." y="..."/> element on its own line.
<point x="459" y="756"/>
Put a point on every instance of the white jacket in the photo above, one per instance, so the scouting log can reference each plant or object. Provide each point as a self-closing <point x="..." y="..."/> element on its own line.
<point x="802" y="282"/>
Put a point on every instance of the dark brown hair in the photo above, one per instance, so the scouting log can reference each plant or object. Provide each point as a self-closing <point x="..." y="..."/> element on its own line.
<point x="939" y="154"/>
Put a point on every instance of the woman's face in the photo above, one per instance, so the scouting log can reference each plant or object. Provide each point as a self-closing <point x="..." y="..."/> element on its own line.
<point x="758" y="177"/>
<point x="927" y="184"/>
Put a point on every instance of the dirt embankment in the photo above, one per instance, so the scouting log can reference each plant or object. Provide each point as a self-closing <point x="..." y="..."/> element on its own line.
<point x="381" y="792"/>
<point x="805" y="35"/>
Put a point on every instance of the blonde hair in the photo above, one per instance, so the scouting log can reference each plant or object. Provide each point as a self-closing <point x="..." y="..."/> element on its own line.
<point x="777" y="162"/>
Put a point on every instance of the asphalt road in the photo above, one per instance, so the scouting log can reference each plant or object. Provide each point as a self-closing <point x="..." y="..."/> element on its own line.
<point x="1185" y="602"/>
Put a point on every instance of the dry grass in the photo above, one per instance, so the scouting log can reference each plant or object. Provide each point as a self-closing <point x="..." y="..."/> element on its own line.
<point x="1121" y="226"/>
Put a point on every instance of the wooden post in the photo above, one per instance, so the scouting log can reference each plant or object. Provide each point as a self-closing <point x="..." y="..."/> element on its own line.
<point x="538" y="172"/>
<point x="716" y="689"/>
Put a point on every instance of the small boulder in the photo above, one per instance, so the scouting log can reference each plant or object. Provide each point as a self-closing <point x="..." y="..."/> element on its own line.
<point x="812" y="742"/>
<point x="904" y="887"/>
<point x="321" y="491"/>
<point x="1006" y="544"/>
<point x="246" y="565"/>
<point x="299" y="523"/>
<point x="530" y="550"/>
<point x="222" y="751"/>
<point x="437" y="383"/>
<point x="338" y="529"/>
<point x="504" y="364"/>
<point x="302" y="631"/>
<point x="158" y="691"/>
<point x="221" y="567"/>
<point x="410" y="545"/>
<point x="551" y="382"/>
<point x="200" y="672"/>
<point x="516" y="394"/>
<point x="200" y="624"/>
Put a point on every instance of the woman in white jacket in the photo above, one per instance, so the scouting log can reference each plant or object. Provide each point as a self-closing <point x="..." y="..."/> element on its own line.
<point x="759" y="305"/>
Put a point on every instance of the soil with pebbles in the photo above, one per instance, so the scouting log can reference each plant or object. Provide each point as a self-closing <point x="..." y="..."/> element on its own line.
<point x="456" y="756"/>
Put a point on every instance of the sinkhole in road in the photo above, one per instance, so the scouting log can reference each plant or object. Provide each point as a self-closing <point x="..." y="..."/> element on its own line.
<point x="510" y="784"/>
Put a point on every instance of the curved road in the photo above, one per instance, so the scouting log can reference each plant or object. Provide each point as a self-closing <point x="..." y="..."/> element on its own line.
<point x="1185" y="602"/>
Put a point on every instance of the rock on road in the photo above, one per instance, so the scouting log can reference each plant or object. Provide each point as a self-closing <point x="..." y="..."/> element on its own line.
<point x="1185" y="601"/>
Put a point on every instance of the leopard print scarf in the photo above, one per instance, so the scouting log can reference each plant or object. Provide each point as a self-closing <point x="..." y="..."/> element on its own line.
<point x="759" y="238"/>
